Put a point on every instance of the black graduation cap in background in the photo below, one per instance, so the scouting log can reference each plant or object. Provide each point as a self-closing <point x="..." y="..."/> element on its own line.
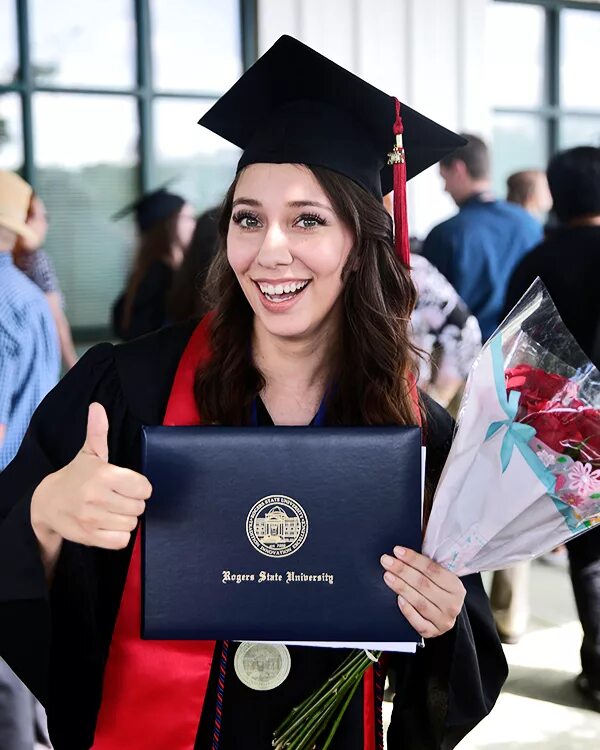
<point x="152" y="208"/>
<point x="296" y="106"/>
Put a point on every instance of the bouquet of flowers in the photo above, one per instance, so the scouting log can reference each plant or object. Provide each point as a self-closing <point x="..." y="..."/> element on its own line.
<point x="523" y="474"/>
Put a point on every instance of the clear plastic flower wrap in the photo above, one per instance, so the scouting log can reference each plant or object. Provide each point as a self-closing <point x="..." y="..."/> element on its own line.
<point x="523" y="473"/>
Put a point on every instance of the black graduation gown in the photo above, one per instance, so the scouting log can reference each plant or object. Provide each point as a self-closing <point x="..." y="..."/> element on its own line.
<point x="149" y="309"/>
<point x="58" y="641"/>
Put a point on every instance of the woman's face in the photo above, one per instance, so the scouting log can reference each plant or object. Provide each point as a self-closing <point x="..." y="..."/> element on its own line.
<point x="186" y="223"/>
<point x="287" y="248"/>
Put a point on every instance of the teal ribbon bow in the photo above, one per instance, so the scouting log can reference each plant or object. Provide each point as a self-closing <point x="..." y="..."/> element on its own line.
<point x="517" y="434"/>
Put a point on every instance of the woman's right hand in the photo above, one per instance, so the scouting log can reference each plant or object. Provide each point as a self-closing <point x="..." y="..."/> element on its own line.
<point x="90" y="501"/>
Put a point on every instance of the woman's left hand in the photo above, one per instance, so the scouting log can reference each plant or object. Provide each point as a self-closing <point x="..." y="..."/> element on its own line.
<point x="429" y="596"/>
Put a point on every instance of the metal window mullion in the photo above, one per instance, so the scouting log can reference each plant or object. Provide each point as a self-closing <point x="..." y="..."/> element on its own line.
<point x="553" y="73"/>
<point x="249" y="32"/>
<point x="145" y="93"/>
<point x="26" y="89"/>
<point x="48" y="89"/>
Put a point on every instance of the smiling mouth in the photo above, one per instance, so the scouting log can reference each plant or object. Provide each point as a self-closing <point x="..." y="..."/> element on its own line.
<point x="282" y="292"/>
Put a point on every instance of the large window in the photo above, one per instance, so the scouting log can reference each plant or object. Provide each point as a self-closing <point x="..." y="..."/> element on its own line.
<point x="544" y="56"/>
<point x="99" y="101"/>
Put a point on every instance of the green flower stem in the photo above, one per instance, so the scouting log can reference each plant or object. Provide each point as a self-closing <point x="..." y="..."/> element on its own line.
<point x="330" y="689"/>
<point x="306" y="716"/>
<point x="318" y="722"/>
<point x="339" y="717"/>
<point x="353" y="660"/>
<point x="305" y="735"/>
<point x="310" y="719"/>
<point x="334" y="714"/>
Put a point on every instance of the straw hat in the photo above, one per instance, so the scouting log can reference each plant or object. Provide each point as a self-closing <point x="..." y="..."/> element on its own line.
<point x="15" y="196"/>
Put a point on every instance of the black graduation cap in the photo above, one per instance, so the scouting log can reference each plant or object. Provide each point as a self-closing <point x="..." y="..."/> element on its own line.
<point x="296" y="106"/>
<point x="152" y="208"/>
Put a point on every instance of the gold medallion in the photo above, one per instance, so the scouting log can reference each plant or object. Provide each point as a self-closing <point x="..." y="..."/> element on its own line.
<point x="262" y="666"/>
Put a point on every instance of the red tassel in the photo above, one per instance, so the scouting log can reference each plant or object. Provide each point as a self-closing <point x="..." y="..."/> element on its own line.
<point x="398" y="160"/>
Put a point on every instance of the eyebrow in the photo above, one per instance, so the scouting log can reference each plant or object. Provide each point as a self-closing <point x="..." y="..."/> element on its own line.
<point x="290" y="204"/>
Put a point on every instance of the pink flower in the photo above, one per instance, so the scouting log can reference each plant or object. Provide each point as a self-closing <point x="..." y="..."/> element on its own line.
<point x="575" y="501"/>
<point x="583" y="479"/>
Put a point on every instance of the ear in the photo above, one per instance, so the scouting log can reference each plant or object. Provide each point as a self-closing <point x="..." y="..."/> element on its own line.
<point x="459" y="168"/>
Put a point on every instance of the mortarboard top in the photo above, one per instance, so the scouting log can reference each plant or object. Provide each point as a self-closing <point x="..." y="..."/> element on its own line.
<point x="296" y="106"/>
<point x="152" y="208"/>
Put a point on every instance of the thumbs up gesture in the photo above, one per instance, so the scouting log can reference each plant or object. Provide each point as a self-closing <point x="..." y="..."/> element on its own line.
<point x="90" y="501"/>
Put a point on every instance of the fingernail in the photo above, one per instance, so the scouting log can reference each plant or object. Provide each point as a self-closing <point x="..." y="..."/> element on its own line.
<point x="389" y="577"/>
<point x="401" y="601"/>
<point x="399" y="551"/>
<point x="387" y="561"/>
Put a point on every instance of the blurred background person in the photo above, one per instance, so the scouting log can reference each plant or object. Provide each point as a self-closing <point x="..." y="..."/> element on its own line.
<point x="35" y="263"/>
<point x="443" y="329"/>
<point x="529" y="189"/>
<point x="29" y="368"/>
<point x="477" y="249"/>
<point x="165" y="224"/>
<point x="568" y="262"/>
<point x="185" y="299"/>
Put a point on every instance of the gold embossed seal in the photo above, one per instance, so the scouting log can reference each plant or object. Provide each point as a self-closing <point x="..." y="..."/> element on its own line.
<point x="277" y="526"/>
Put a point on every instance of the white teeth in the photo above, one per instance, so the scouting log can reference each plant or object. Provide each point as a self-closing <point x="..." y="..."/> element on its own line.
<point x="294" y="286"/>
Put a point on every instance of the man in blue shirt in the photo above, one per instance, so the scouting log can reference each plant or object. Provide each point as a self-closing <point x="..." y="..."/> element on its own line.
<point x="29" y="352"/>
<point x="477" y="249"/>
<point x="29" y="368"/>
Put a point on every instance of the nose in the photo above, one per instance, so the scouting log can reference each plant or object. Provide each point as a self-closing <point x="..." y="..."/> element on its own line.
<point x="274" y="250"/>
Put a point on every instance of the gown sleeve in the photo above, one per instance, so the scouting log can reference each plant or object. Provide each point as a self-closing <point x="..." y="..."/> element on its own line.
<point x="55" y="435"/>
<point x="454" y="681"/>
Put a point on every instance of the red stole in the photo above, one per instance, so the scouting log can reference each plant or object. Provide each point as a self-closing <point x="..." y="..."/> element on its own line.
<point x="154" y="691"/>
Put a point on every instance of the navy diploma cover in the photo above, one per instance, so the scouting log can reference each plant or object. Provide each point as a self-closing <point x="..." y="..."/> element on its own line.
<point x="275" y="533"/>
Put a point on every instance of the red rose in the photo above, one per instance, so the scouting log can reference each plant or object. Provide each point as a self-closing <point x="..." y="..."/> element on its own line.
<point x="538" y="388"/>
<point x="588" y="423"/>
<point x="558" y="430"/>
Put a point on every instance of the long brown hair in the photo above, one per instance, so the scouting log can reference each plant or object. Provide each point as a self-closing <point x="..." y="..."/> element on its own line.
<point x="185" y="298"/>
<point x="155" y="244"/>
<point x="375" y="360"/>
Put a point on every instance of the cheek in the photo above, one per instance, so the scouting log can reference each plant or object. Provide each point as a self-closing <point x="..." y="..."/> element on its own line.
<point x="241" y="252"/>
<point x="329" y="259"/>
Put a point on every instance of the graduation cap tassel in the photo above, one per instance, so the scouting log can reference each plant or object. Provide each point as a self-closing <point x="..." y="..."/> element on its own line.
<point x="398" y="160"/>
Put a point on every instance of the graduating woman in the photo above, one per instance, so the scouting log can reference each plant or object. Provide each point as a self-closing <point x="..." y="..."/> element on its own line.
<point x="311" y="299"/>
<point x="165" y="223"/>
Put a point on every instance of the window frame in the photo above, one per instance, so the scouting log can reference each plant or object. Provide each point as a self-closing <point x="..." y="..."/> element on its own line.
<point x="551" y="112"/>
<point x="143" y="91"/>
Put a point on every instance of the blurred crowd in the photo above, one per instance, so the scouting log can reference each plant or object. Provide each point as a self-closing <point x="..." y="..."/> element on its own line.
<point x="469" y="271"/>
